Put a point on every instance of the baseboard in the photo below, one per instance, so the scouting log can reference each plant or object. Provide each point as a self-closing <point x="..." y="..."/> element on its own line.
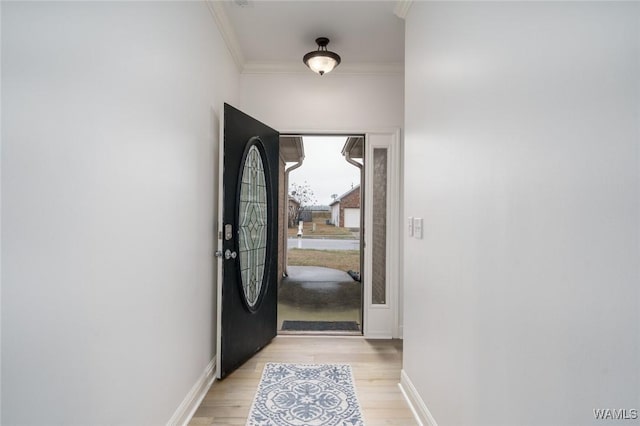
<point x="417" y="405"/>
<point x="377" y="335"/>
<point x="192" y="401"/>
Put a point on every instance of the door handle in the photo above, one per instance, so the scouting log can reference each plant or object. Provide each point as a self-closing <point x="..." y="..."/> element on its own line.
<point x="228" y="254"/>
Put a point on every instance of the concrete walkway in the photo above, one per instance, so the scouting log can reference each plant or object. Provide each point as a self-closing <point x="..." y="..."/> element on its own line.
<point x="316" y="287"/>
<point x="315" y="274"/>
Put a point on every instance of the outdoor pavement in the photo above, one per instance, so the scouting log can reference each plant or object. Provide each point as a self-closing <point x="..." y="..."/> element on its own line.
<point x="323" y="244"/>
<point x="315" y="287"/>
<point x="304" y="274"/>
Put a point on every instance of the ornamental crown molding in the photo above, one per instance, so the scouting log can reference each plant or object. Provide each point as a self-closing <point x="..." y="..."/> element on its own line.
<point x="228" y="33"/>
<point x="226" y="30"/>
<point x="402" y="8"/>
<point x="364" y="68"/>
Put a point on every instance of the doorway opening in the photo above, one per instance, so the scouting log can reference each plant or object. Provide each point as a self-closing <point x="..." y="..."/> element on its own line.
<point x="321" y="231"/>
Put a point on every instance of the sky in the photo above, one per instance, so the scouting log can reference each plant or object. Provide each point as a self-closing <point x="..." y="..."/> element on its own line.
<point x="325" y="169"/>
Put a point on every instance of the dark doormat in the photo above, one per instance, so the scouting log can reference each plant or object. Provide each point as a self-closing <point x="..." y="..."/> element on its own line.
<point x="320" y="326"/>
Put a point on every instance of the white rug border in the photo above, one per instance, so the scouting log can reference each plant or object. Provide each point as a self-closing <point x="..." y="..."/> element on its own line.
<point x="305" y="364"/>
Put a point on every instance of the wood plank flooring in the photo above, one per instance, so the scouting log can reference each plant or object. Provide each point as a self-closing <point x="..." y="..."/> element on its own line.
<point x="376" y="367"/>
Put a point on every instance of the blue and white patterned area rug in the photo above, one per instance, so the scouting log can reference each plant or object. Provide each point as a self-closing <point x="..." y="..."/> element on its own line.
<point x="306" y="395"/>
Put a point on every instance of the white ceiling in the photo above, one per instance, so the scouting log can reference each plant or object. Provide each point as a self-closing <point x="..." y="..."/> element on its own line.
<point x="274" y="35"/>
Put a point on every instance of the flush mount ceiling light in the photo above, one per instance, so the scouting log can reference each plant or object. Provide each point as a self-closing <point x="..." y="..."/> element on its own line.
<point x="322" y="60"/>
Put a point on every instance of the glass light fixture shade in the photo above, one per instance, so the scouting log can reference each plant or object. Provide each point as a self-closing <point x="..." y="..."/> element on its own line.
<point x="322" y="64"/>
<point x="322" y="60"/>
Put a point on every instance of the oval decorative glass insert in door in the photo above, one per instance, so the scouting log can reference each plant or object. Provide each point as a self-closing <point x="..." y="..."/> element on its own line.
<point x="252" y="228"/>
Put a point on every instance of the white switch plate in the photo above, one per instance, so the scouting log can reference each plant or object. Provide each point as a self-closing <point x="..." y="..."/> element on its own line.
<point x="410" y="226"/>
<point x="417" y="228"/>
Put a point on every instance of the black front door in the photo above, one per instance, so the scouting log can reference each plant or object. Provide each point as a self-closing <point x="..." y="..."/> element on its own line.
<point x="249" y="236"/>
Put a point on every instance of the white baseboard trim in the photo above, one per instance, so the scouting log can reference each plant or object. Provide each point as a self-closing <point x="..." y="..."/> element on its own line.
<point x="377" y="335"/>
<point x="192" y="401"/>
<point x="417" y="405"/>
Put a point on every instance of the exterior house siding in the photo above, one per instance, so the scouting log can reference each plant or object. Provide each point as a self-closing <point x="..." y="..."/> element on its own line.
<point x="350" y="200"/>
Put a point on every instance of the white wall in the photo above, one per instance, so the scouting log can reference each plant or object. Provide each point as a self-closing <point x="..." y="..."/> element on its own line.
<point x="1" y="133"/>
<point x="109" y="154"/>
<point x="522" y="155"/>
<point x="291" y="102"/>
<point x="335" y="214"/>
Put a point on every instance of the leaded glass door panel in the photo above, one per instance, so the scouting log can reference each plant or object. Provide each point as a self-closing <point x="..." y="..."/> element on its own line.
<point x="252" y="226"/>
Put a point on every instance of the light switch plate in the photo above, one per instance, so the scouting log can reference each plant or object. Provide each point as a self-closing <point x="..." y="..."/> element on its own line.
<point x="410" y="226"/>
<point x="417" y="228"/>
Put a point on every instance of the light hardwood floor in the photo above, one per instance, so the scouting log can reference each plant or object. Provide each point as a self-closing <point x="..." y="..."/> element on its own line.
<point x="376" y="367"/>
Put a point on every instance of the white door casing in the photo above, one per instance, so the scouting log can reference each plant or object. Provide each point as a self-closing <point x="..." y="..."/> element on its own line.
<point x="381" y="319"/>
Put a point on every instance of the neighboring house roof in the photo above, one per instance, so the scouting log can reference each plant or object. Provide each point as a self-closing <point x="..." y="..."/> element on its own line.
<point x="310" y="208"/>
<point x="317" y="208"/>
<point x="337" y="200"/>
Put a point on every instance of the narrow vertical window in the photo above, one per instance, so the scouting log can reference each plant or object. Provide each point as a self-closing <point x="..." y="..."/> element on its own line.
<point x="379" y="227"/>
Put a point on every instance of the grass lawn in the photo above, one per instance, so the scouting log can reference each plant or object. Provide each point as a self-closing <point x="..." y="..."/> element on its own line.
<point x="322" y="230"/>
<point x="342" y="260"/>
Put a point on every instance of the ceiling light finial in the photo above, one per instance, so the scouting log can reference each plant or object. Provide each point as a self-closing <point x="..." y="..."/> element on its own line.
<point x="321" y="61"/>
